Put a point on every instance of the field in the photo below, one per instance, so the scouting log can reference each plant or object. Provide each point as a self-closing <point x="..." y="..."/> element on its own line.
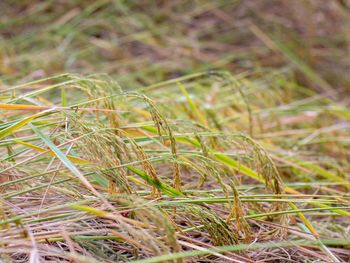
<point x="174" y="131"/>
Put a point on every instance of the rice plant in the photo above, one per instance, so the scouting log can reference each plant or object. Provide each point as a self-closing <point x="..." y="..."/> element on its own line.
<point x="183" y="160"/>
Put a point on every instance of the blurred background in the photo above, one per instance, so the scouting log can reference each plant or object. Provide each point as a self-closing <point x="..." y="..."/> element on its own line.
<point x="143" y="42"/>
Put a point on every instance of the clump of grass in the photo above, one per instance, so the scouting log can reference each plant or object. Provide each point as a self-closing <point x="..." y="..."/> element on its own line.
<point x="217" y="229"/>
<point x="129" y="164"/>
<point x="164" y="159"/>
<point x="111" y="152"/>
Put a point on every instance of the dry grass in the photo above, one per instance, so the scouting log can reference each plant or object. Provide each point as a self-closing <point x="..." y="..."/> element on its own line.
<point x="220" y="132"/>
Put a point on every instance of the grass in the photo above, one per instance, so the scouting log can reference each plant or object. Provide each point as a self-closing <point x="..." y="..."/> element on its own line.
<point x="170" y="133"/>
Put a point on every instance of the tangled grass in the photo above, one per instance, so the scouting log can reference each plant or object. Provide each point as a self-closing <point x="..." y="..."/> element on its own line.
<point x="116" y="175"/>
<point x="163" y="159"/>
